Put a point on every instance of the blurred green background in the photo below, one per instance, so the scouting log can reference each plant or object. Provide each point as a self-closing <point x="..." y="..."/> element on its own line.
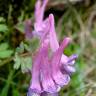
<point x="74" y="18"/>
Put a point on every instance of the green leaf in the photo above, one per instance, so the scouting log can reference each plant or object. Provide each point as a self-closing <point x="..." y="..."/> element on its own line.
<point x="20" y="49"/>
<point x="17" y="61"/>
<point x="3" y="46"/>
<point x="3" y="28"/>
<point x="5" y="53"/>
<point x="20" y="27"/>
<point x="26" y="64"/>
<point x="32" y="45"/>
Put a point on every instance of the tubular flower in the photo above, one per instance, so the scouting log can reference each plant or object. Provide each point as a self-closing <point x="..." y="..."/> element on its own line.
<point x="60" y="78"/>
<point x="46" y="73"/>
<point x="39" y="25"/>
<point x="66" y="62"/>
<point x="49" y="73"/>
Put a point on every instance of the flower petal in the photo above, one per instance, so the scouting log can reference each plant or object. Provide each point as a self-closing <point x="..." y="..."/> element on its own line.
<point x="69" y="69"/>
<point x="58" y="54"/>
<point x="49" y="94"/>
<point x="52" y="35"/>
<point x="59" y="78"/>
<point x="35" y="82"/>
<point x="53" y="38"/>
<point x="39" y="12"/>
<point x="31" y="93"/>
<point x="47" y="82"/>
<point x="64" y="59"/>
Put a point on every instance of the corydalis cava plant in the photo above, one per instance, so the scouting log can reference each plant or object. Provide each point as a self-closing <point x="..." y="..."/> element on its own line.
<point x="49" y="73"/>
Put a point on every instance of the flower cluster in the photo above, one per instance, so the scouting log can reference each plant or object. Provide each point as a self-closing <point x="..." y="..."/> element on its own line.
<point x="49" y="73"/>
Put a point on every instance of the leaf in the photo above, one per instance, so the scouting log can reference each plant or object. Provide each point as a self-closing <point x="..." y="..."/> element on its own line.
<point x="3" y="28"/>
<point x="26" y="64"/>
<point x="5" y="53"/>
<point x="27" y="47"/>
<point x="32" y="45"/>
<point x="17" y="61"/>
<point x="20" y="27"/>
<point x="20" y="49"/>
<point x="3" y="46"/>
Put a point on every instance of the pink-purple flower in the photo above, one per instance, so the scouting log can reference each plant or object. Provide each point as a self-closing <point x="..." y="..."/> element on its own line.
<point x="51" y="68"/>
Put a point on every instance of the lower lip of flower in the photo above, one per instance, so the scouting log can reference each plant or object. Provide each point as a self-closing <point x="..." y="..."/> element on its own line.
<point x="61" y="79"/>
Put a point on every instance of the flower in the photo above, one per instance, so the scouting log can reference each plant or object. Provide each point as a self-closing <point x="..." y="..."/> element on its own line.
<point x="39" y="25"/>
<point x="59" y="78"/>
<point x="39" y="15"/>
<point x="49" y="73"/>
<point x="66" y="62"/>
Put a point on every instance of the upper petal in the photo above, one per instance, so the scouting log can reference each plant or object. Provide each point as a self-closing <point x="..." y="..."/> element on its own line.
<point x="52" y="35"/>
<point x="58" y="54"/>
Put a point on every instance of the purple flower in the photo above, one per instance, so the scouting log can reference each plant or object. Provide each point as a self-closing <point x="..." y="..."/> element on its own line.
<point x="39" y="25"/>
<point x="39" y="15"/>
<point x="49" y="73"/>
<point x="59" y="78"/>
<point x="66" y="62"/>
<point x="35" y="81"/>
